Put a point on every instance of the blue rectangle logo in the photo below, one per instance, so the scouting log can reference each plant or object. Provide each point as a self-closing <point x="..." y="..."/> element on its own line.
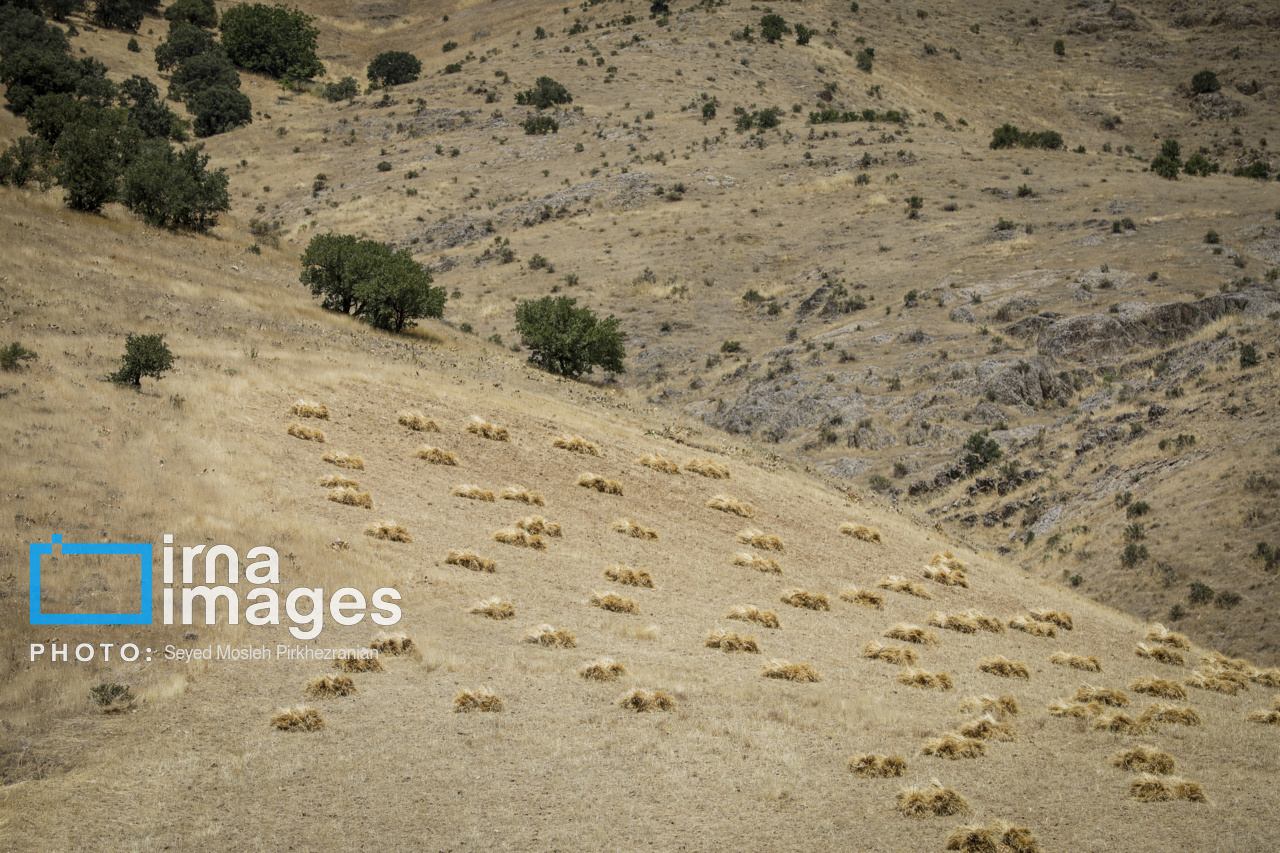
<point x="145" y="568"/>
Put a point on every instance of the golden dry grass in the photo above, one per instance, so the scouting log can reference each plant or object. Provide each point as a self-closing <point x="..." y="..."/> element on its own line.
<point x="389" y="531"/>
<point x="996" y="837"/>
<point x="897" y="655"/>
<point x="862" y="598"/>
<point x="298" y="720"/>
<point x="522" y="495"/>
<point x="342" y="460"/>
<point x="601" y="484"/>
<point x="730" y="504"/>
<point x="306" y="409"/>
<point x="641" y="702"/>
<point x="987" y="727"/>
<point x="934" y="800"/>
<point x="1158" y="633"/>
<point x="912" y="634"/>
<point x="392" y="644"/>
<point x="474" y="493"/>
<point x="337" y="481"/>
<point x="878" y="765"/>
<point x="1142" y="759"/>
<point x="761" y="540"/>
<point x="1161" y="687"/>
<point x="417" y="421"/>
<point x="958" y="622"/>
<point x="613" y="603"/>
<point x="494" y="608"/>
<point x="1160" y="654"/>
<point x="787" y="671"/>
<point x="545" y="635"/>
<point x="897" y="583"/>
<point x="858" y="531"/>
<point x="470" y="560"/>
<point x="1149" y="788"/>
<point x="747" y="613"/>
<point x="540" y="526"/>
<point x="351" y="497"/>
<point x="1087" y="693"/>
<point x="358" y="664"/>
<point x="1057" y="617"/>
<point x="805" y="599"/>
<point x="630" y="527"/>
<point x="629" y="577"/>
<point x="947" y="577"/>
<point x="604" y="669"/>
<point x="707" y="468"/>
<point x="479" y="426"/>
<point x="478" y="700"/>
<point x="1034" y="627"/>
<point x="925" y="680"/>
<point x="998" y="706"/>
<point x="576" y="444"/>
<point x="324" y="686"/>
<point x="436" y="456"/>
<point x="520" y="539"/>
<point x="306" y="433"/>
<point x="768" y="565"/>
<point x="659" y="463"/>
<point x="1003" y="667"/>
<point x="728" y="641"/>
<point x="1081" y="662"/>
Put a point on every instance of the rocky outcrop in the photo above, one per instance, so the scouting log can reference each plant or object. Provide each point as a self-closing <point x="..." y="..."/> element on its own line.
<point x="1028" y="382"/>
<point x="1103" y="17"/>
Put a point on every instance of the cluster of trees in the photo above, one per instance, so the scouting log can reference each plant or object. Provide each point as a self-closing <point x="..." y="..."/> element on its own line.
<point x="1168" y="163"/>
<point x="1009" y="136"/>
<point x="393" y="68"/>
<point x="203" y="77"/>
<point x="273" y="40"/>
<point x="830" y="115"/>
<point x="368" y="279"/>
<point x="546" y="93"/>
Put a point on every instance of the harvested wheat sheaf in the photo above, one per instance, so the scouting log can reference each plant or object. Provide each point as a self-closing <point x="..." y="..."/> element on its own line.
<point x="1266" y="717"/>
<point x="1034" y="627"/>
<point x="298" y="720"/>
<point x="947" y="560"/>
<point x="494" y="608"/>
<point x="659" y="464"/>
<point x="890" y="654"/>
<point x="1087" y="693"/>
<point x="479" y="426"/>
<point x="520" y="539"/>
<point x="1064" y="708"/>
<point x="947" y="577"/>
<point x="388" y="530"/>
<point x="1161" y="687"/>
<point x="471" y="560"/>
<point x="600" y="484"/>
<point x="545" y="635"/>
<point x="392" y="644"/>
<point x="340" y="685"/>
<point x="787" y="671"/>
<point x="803" y="598"/>
<point x="538" y="525"/>
<point x="1087" y="664"/>
<point x="1121" y="723"/>
<point x="987" y="727"/>
<point x="1172" y="714"/>
<point x="857" y="531"/>
<point x="337" y="481"/>
<point x="1003" y="667"/>
<point x="474" y="493"/>
<point x="523" y="495"/>
<point x="304" y="409"/>
<point x="614" y="603"/>
<point x="1160" y="654"/>
<point x="768" y="565"/>
<point x="862" y="597"/>
<point x="631" y="528"/>
<point x="927" y="680"/>
<point x="1158" y="633"/>
<point x="1267" y="677"/>
<point x="342" y="460"/>
<point x="1148" y="788"/>
<point x="997" y="706"/>
<point x="986" y="623"/>
<point x="912" y="634"/>
<point x="897" y="583"/>
<point x="358" y="664"/>
<point x="604" y="669"/>
<point x="953" y="622"/>
<point x="306" y="433"/>
<point x="436" y="456"/>
<point x="1057" y="617"/>
<point x="747" y="613"/>
<point x="629" y="577"/>
<point x="728" y="503"/>
<point x="576" y="444"/>
<point x="1141" y="759"/>
<point x="730" y="642"/>
<point x="1221" y="661"/>
<point x="417" y="422"/>
<point x="933" y="800"/>
<point x="641" y="702"/>
<point x="877" y="765"/>
<point x="760" y="540"/>
<point x="954" y="747"/>
<point x="351" y="497"/>
<point x="997" y="837"/>
<point x="480" y="699"/>
<point x="1218" y="681"/>
<point x="707" y="468"/>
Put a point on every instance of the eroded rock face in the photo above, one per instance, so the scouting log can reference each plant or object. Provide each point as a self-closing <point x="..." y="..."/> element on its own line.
<point x="1028" y="382"/>
<point x="1217" y="105"/>
<point x="962" y="315"/>
<point x="1104" y="17"/>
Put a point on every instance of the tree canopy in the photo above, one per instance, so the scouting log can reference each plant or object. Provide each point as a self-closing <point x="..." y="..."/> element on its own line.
<point x="394" y="67"/>
<point x="567" y="340"/>
<point x="273" y="40"/>
<point x="368" y="279"/>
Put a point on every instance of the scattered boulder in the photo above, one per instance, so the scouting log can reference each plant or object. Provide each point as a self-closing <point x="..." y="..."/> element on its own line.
<point x="960" y="314"/>
<point x="1217" y="105"/>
